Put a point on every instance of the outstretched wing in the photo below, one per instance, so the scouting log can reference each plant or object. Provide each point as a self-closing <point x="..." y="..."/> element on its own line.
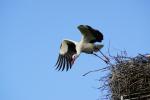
<point x="67" y="50"/>
<point x="90" y="35"/>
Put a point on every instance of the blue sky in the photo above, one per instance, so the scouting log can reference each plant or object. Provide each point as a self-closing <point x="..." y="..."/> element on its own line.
<point x="31" y="32"/>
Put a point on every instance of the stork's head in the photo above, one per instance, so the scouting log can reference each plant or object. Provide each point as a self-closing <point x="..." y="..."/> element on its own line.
<point x="74" y="57"/>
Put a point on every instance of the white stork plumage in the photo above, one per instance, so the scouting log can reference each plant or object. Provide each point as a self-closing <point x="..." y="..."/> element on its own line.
<point x="70" y="50"/>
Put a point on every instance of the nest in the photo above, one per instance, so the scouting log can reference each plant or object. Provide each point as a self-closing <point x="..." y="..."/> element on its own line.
<point x="129" y="76"/>
<point x="125" y="77"/>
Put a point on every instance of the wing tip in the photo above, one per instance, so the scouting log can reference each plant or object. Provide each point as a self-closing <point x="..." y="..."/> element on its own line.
<point x="63" y="63"/>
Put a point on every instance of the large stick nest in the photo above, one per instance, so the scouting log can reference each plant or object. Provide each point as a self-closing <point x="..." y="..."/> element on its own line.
<point x="125" y="76"/>
<point x="129" y="76"/>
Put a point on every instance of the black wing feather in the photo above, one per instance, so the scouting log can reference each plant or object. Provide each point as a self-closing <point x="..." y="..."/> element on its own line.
<point x="64" y="63"/>
<point x="96" y="33"/>
<point x="57" y="60"/>
<point x="68" y="63"/>
<point x="59" y="63"/>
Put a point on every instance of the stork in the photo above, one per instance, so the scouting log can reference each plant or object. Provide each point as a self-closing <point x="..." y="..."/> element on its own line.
<point x="70" y="50"/>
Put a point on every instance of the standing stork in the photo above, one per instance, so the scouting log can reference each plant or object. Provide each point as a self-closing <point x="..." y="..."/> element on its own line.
<point x="70" y="50"/>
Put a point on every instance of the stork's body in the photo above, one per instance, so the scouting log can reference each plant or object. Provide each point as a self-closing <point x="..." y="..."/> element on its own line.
<point x="88" y="48"/>
<point x="70" y="50"/>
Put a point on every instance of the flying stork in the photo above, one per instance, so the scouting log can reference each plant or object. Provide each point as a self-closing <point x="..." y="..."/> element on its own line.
<point x="70" y="50"/>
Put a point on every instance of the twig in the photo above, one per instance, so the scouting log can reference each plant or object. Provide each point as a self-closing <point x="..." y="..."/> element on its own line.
<point x="94" y="71"/>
